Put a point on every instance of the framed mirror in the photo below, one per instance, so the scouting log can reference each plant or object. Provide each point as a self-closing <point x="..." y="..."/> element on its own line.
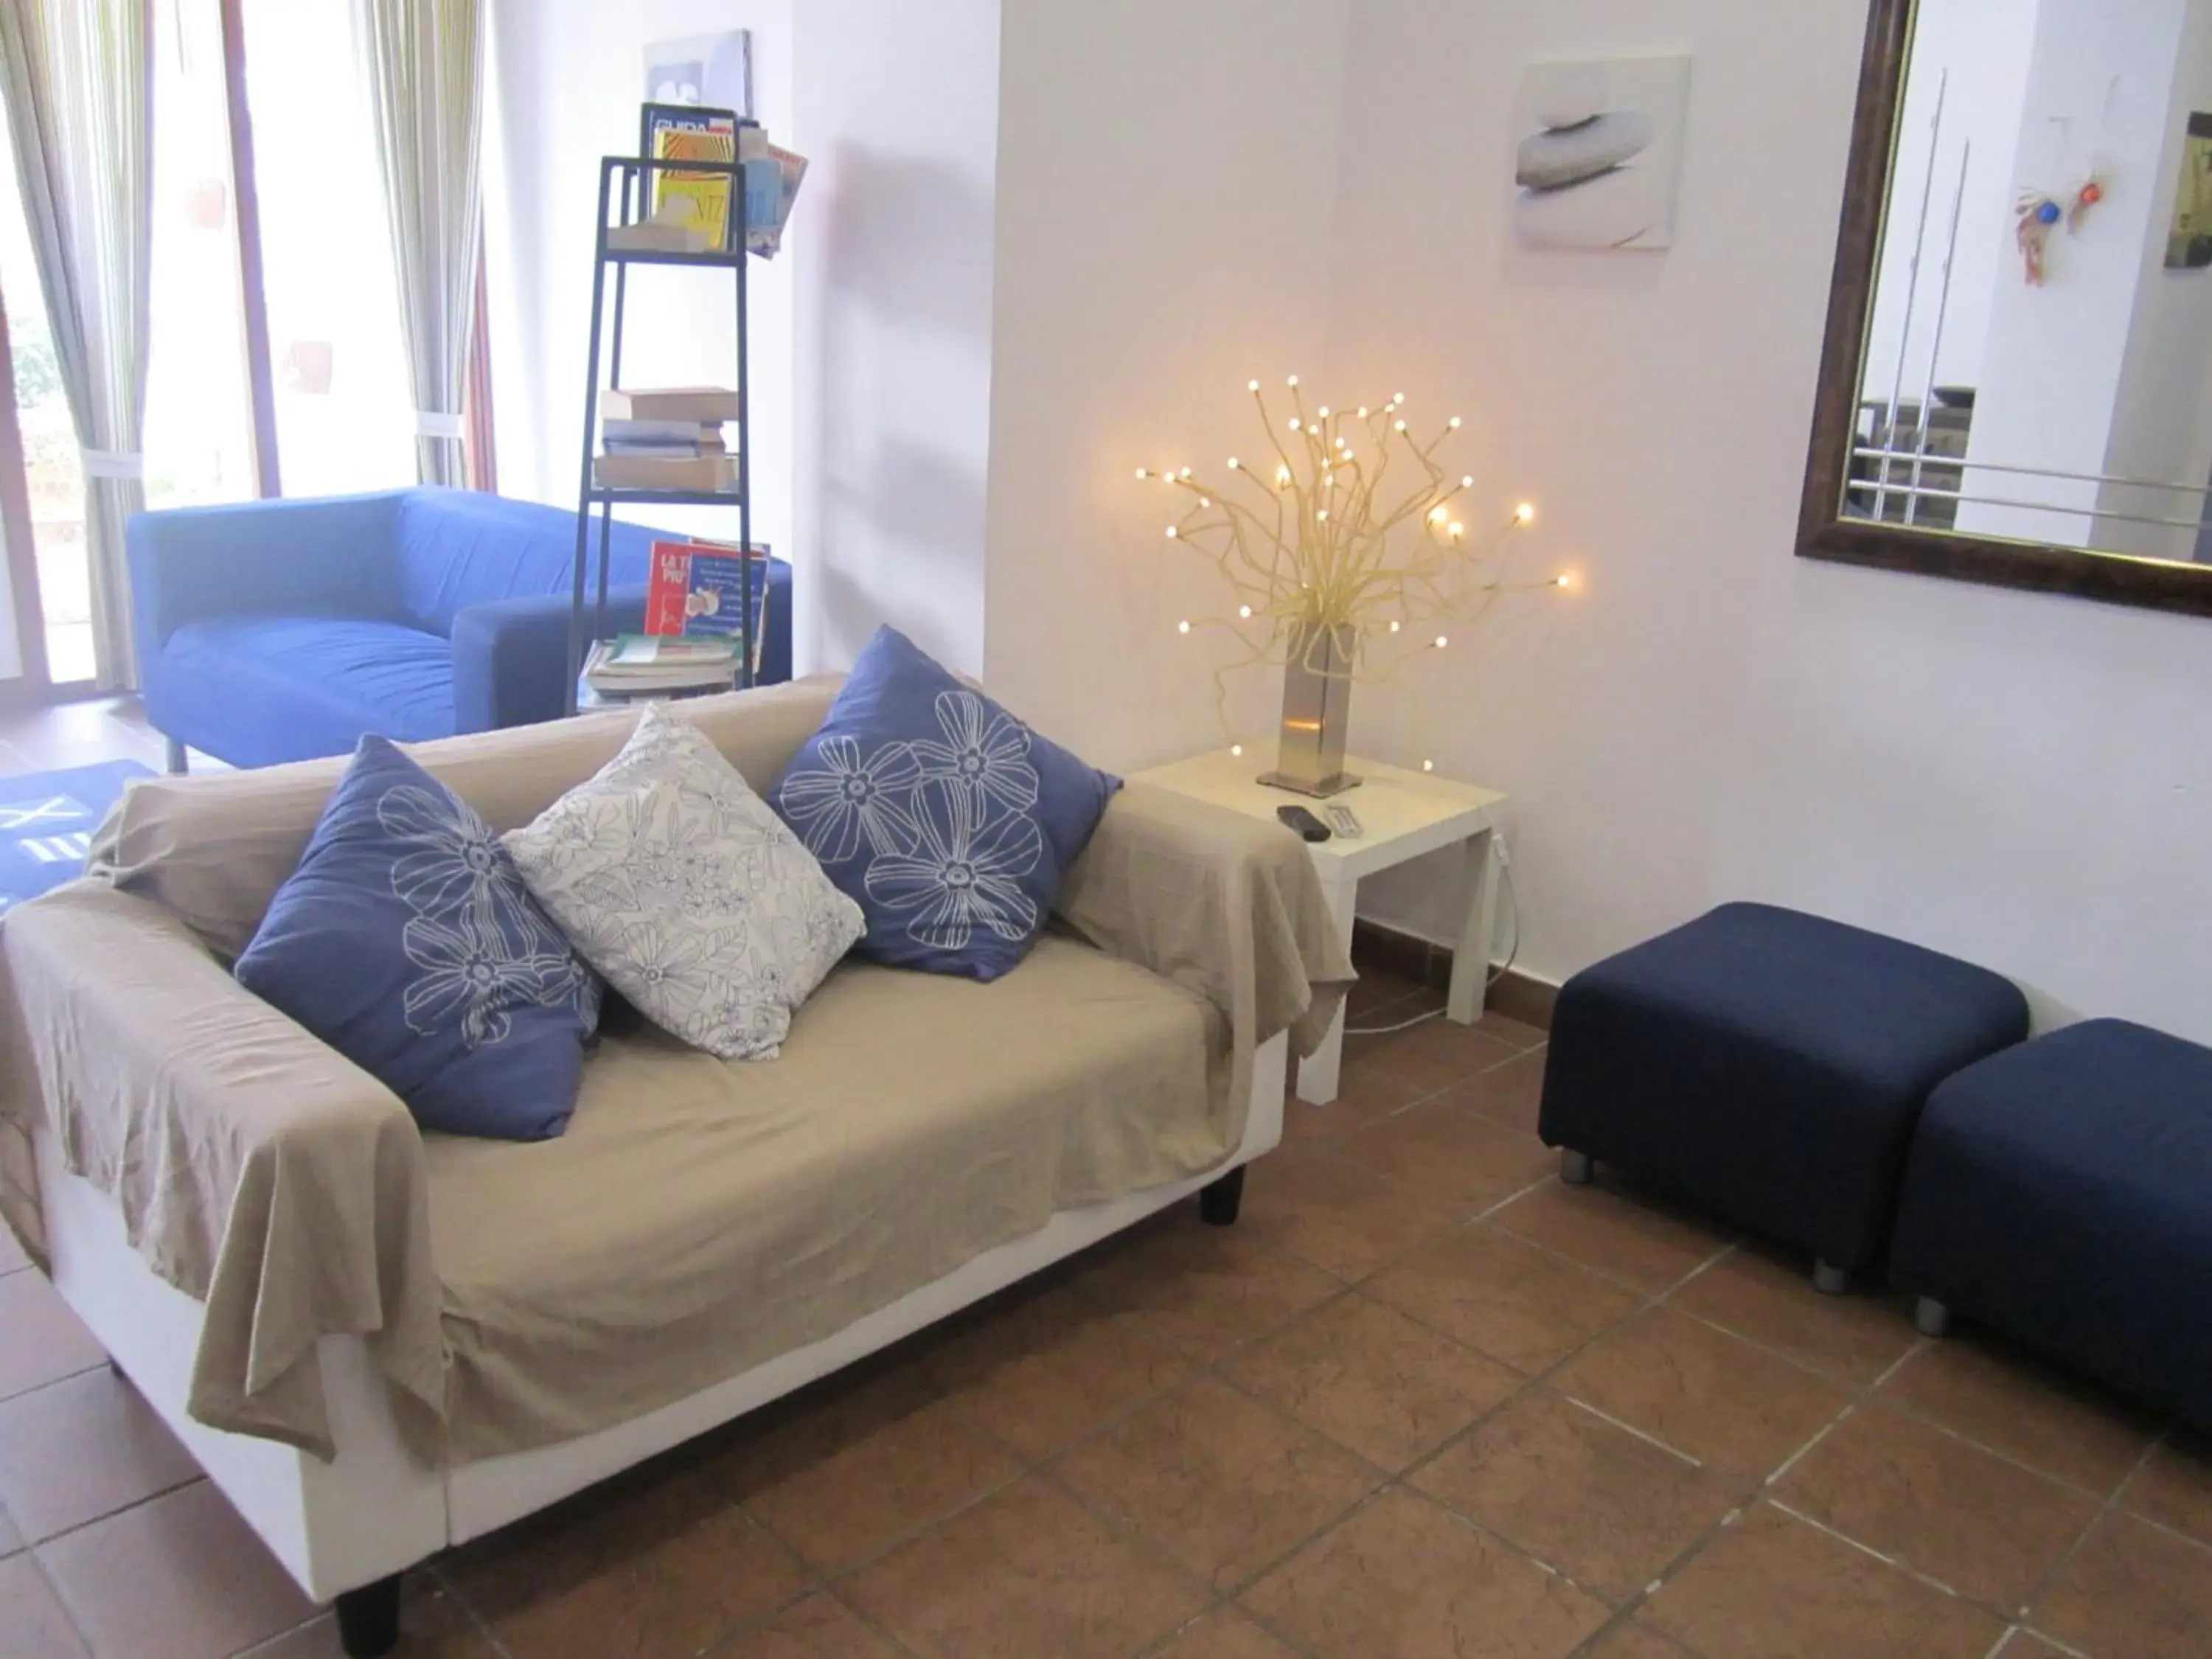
<point x="2016" y="387"/>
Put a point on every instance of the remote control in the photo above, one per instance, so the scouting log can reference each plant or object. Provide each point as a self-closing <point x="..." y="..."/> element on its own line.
<point x="1342" y="820"/>
<point x="1303" y="822"/>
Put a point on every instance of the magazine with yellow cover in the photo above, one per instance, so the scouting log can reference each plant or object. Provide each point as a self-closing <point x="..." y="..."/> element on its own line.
<point x="682" y="196"/>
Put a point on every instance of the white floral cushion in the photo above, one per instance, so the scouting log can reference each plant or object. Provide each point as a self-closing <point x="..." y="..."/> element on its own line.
<point x="675" y="880"/>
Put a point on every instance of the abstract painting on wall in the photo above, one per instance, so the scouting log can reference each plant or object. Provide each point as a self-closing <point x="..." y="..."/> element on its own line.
<point x="2188" y="245"/>
<point x="1600" y="153"/>
<point x="713" y="69"/>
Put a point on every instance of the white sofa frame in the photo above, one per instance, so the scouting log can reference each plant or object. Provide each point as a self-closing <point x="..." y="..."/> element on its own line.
<point x="346" y="1529"/>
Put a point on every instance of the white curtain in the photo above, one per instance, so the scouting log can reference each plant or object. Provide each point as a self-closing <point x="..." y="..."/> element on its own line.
<point x="424" y="61"/>
<point x="79" y="77"/>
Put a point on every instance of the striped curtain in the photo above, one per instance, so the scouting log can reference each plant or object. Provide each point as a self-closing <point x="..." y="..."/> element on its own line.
<point x="423" y="62"/>
<point x="79" y="80"/>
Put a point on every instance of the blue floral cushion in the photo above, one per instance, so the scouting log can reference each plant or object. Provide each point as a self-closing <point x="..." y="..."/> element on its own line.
<point x="945" y="818"/>
<point x="407" y="941"/>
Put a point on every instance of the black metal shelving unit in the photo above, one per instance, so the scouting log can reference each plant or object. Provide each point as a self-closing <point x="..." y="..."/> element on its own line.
<point x="625" y="198"/>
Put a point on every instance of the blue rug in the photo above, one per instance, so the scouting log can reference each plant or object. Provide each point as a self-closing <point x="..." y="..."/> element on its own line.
<point x="47" y="820"/>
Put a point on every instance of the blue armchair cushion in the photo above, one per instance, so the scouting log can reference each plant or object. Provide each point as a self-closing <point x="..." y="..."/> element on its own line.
<point x="408" y="942"/>
<point x="945" y="818"/>
<point x="2061" y="1192"/>
<point x="1768" y="1066"/>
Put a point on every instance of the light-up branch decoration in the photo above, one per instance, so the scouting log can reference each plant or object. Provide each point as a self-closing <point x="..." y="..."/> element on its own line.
<point x="1333" y="569"/>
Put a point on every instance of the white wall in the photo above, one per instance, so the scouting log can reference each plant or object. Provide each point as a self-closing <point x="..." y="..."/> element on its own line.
<point x="2052" y="370"/>
<point x="897" y="110"/>
<point x="567" y="78"/>
<point x="2162" y="411"/>
<point x="1974" y="56"/>
<point x="1167" y="178"/>
<point x="2022" y="780"/>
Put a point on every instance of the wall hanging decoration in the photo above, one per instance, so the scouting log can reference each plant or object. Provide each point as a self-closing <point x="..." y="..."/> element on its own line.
<point x="714" y="70"/>
<point x="1347" y="556"/>
<point x="1600" y="153"/>
<point x="2188" y="245"/>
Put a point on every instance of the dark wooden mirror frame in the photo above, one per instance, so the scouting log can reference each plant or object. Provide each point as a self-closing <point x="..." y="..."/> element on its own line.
<point x="1823" y="532"/>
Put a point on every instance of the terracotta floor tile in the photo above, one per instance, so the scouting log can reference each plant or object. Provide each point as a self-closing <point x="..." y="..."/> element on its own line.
<point x="1433" y="1055"/>
<point x="1616" y="1229"/>
<point x="1513" y="1033"/>
<point x="1202" y="1290"/>
<point x="1222" y="1483"/>
<point x="1343" y="1219"/>
<point x="1516" y="1302"/>
<point x="1042" y="1370"/>
<point x="1441" y="1154"/>
<point x="1370" y="1378"/>
<point x="1507" y="1094"/>
<point x="1225" y="1634"/>
<point x="655" y="1563"/>
<point x="2175" y="1487"/>
<point x="1735" y="1408"/>
<point x="1767" y="1296"/>
<point x="41" y="1341"/>
<point x="2132" y="1592"/>
<point x="915" y="1471"/>
<point x="1635" y="1640"/>
<point x="13" y="1258"/>
<point x="432" y="1625"/>
<point x="811" y="1427"/>
<point x="32" y="1625"/>
<point x="2026" y="1644"/>
<point x="1029" y="1572"/>
<point x="1596" y="1502"/>
<point x="10" y="1540"/>
<point x="819" y="1627"/>
<point x="1987" y="1528"/>
<point x="1363" y="1096"/>
<point x="2040" y="1416"/>
<point x="1380" y="987"/>
<point x="1405" y="1579"/>
<point x="180" y="1578"/>
<point x="1771" y="1586"/>
<point x="82" y="1448"/>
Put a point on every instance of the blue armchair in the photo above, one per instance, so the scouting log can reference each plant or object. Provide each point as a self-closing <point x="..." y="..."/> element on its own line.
<point x="283" y="630"/>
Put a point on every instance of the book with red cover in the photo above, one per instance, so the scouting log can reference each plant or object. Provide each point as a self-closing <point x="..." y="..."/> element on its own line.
<point x="698" y="587"/>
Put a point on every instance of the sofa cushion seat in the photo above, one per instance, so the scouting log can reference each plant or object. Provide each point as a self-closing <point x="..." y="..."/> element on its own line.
<point x="294" y="688"/>
<point x="2061" y="1192"/>
<point x="701" y="1217"/>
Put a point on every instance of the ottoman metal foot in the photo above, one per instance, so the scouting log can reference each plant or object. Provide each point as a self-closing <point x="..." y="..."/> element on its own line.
<point x="1933" y="1318"/>
<point x="1829" y="1280"/>
<point x="1576" y="1168"/>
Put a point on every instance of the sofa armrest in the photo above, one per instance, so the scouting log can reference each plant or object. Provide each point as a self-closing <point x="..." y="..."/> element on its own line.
<point x="330" y="557"/>
<point x="1226" y="906"/>
<point x="511" y="657"/>
<point x="256" y="1169"/>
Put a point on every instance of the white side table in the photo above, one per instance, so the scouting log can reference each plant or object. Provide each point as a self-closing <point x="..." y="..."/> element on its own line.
<point x="1403" y="815"/>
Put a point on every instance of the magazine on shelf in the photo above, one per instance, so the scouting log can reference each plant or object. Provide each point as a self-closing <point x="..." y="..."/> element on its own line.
<point x="635" y="667"/>
<point x="692" y="197"/>
<point x="697" y="588"/>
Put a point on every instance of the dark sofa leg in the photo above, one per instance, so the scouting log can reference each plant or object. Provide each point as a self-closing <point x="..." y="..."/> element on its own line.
<point x="1218" y="1201"/>
<point x="369" y="1618"/>
<point x="177" y="762"/>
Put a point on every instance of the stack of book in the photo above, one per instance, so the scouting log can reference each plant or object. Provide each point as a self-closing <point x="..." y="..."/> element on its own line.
<point x="642" y="665"/>
<point x="668" y="439"/>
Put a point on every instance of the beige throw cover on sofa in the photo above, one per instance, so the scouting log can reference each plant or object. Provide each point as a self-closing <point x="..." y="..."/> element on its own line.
<point x="262" y="1174"/>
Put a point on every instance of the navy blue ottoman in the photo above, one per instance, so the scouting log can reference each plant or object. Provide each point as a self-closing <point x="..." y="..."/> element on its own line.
<point x="1768" y="1066"/>
<point x="2062" y="1194"/>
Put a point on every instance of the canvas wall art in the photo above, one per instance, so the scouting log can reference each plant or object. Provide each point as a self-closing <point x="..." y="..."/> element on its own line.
<point x="713" y="69"/>
<point x="1600" y="153"/>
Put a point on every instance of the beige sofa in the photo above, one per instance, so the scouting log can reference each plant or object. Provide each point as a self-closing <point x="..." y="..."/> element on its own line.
<point x="380" y="1343"/>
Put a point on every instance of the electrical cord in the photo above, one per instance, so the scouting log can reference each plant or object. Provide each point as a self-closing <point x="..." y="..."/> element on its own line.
<point x="1513" y="952"/>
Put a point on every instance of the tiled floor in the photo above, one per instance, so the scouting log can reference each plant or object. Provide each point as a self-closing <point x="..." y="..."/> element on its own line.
<point x="1422" y="1402"/>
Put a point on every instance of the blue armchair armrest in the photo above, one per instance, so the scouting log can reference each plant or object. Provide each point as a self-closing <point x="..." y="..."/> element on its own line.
<point x="330" y="557"/>
<point x="511" y="657"/>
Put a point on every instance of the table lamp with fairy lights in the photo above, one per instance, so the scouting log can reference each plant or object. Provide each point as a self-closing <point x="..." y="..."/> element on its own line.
<point x="1338" y="573"/>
